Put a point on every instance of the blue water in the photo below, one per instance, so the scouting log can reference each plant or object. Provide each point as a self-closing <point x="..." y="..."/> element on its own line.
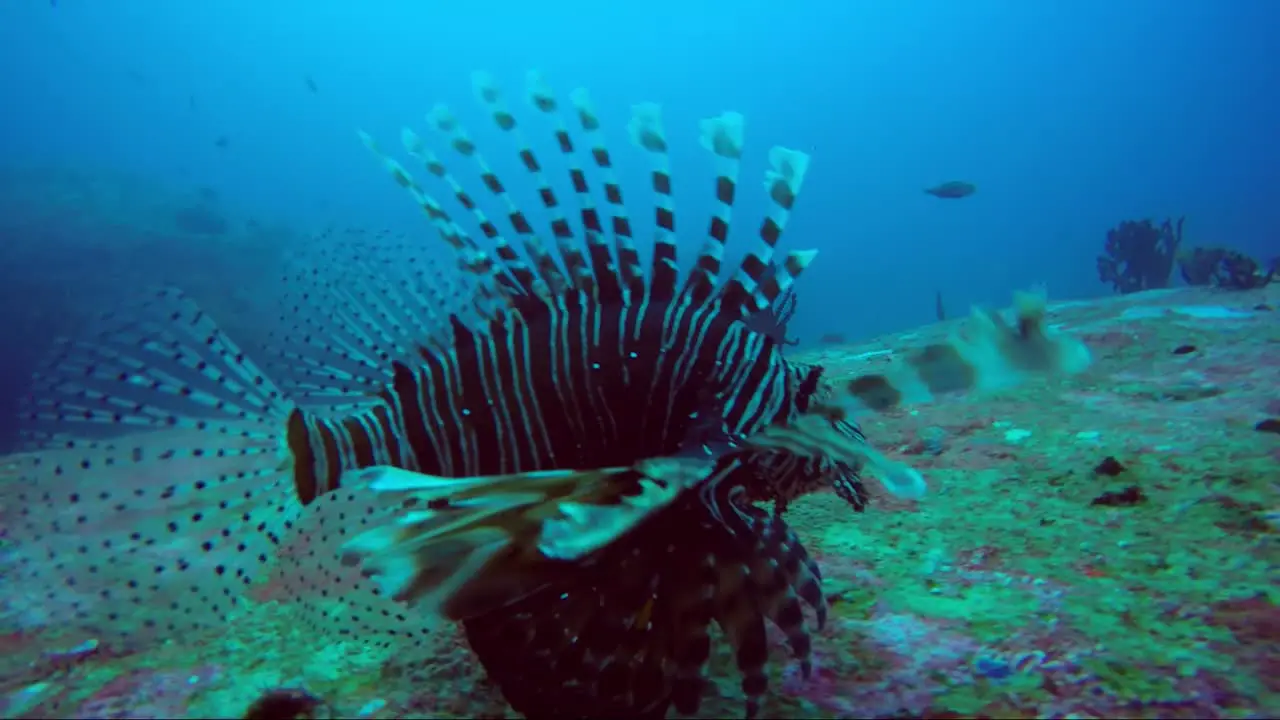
<point x="1068" y="116"/>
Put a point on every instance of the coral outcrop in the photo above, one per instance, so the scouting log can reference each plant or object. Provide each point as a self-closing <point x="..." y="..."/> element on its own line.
<point x="1224" y="268"/>
<point x="1140" y="255"/>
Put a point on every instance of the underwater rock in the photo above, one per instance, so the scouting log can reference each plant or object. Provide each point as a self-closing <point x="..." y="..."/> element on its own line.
<point x="1131" y="495"/>
<point x="287" y="704"/>
<point x="1109" y="467"/>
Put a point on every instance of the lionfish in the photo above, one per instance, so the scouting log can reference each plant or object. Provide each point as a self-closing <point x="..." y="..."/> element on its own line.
<point x="572" y="457"/>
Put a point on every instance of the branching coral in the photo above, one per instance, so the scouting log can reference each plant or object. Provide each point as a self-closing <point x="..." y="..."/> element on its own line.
<point x="1140" y="255"/>
<point x="1224" y="268"/>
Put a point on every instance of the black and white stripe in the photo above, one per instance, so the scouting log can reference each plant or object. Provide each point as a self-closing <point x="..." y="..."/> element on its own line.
<point x="595" y="386"/>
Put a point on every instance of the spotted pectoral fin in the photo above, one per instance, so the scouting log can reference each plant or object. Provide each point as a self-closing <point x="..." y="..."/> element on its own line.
<point x="462" y="546"/>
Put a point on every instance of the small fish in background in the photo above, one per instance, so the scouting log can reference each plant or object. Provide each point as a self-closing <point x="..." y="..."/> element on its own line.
<point x="938" y="308"/>
<point x="222" y="142"/>
<point x="191" y="103"/>
<point x="311" y="84"/>
<point x="952" y="190"/>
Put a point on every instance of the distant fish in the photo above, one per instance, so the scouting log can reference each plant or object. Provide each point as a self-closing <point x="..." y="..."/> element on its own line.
<point x="952" y="190"/>
<point x="311" y="84"/>
<point x="939" y="308"/>
<point x="223" y="141"/>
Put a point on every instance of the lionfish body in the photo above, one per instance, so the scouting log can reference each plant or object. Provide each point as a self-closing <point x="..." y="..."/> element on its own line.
<point x="561" y="451"/>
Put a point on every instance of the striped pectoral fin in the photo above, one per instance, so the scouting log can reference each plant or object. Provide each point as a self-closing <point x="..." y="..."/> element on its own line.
<point x="460" y="547"/>
<point x="584" y="526"/>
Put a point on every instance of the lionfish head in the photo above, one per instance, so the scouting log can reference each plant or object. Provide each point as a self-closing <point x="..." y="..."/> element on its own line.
<point x="782" y="476"/>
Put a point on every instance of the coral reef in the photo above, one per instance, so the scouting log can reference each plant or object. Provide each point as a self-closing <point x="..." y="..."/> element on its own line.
<point x="1140" y="255"/>
<point x="1224" y="268"/>
<point x="1101" y="547"/>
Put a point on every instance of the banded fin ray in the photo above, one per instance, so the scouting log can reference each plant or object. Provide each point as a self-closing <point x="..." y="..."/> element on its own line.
<point x="624" y="263"/>
<point x="494" y="277"/>
<point x="588" y="265"/>
<point x="575" y="264"/>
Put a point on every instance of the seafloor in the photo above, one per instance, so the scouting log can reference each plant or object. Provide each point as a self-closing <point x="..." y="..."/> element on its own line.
<point x="1105" y="546"/>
